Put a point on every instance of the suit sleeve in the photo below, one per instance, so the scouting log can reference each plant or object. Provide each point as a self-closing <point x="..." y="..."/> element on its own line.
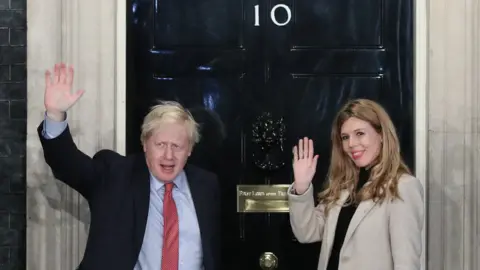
<point x="307" y="221"/>
<point x="70" y="165"/>
<point x="406" y="219"/>
<point x="217" y="216"/>
<point x="52" y="129"/>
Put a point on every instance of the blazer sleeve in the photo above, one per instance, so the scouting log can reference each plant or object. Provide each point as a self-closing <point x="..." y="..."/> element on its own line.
<point x="406" y="219"/>
<point x="72" y="166"/>
<point x="307" y="221"/>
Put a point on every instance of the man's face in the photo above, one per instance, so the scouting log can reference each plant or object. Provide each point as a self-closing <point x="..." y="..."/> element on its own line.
<point x="167" y="151"/>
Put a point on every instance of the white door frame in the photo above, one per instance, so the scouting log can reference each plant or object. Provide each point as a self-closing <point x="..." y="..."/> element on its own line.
<point x="420" y="91"/>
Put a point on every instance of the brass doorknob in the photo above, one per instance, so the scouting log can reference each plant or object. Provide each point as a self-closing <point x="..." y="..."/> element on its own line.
<point x="268" y="261"/>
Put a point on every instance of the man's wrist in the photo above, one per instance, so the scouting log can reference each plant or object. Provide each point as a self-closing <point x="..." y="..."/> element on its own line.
<point x="56" y="116"/>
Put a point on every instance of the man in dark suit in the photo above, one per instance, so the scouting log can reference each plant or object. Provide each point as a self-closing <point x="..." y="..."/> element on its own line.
<point x="149" y="211"/>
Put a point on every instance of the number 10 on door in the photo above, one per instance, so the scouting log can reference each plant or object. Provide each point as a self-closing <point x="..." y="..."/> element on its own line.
<point x="273" y="16"/>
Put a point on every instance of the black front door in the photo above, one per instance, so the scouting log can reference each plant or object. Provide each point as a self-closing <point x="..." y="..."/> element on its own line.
<point x="259" y="75"/>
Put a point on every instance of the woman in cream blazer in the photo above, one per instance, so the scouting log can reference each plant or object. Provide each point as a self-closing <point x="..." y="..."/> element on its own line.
<point x="371" y="215"/>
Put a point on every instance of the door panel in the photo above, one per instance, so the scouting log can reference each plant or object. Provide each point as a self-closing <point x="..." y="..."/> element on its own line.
<point x="247" y="80"/>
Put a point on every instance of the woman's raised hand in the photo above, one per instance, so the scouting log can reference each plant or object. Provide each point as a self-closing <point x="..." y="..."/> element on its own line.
<point x="304" y="164"/>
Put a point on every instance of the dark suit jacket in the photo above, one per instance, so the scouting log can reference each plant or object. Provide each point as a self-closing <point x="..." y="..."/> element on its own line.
<point x="117" y="189"/>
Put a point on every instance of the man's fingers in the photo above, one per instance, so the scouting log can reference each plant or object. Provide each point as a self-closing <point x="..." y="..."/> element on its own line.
<point x="48" y="78"/>
<point x="69" y="75"/>
<point x="56" y="71"/>
<point x="78" y="94"/>
<point x="63" y="73"/>
<point x="75" y="96"/>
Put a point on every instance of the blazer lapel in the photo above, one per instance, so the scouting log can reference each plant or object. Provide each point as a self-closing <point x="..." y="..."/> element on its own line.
<point x="362" y="210"/>
<point x="141" y="199"/>
<point x="333" y="219"/>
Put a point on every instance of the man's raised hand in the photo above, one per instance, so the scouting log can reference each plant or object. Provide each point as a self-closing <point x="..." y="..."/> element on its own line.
<point x="58" y="96"/>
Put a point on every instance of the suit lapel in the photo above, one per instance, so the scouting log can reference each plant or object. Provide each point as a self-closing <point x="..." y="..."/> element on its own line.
<point x="199" y="194"/>
<point x="141" y="199"/>
<point x="362" y="210"/>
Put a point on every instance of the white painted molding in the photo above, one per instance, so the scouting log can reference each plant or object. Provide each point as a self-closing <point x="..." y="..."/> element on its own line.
<point x="421" y="105"/>
<point x="453" y="140"/>
<point x="82" y="33"/>
<point x="121" y="75"/>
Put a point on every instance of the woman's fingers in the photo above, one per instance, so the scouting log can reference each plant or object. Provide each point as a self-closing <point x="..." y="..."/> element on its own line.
<point x="300" y="149"/>
<point x="305" y="148"/>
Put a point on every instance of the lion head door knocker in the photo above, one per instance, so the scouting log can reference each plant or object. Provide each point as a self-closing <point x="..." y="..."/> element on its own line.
<point x="268" y="137"/>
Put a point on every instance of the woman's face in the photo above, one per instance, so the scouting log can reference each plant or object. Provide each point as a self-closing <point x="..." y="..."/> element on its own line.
<point x="360" y="141"/>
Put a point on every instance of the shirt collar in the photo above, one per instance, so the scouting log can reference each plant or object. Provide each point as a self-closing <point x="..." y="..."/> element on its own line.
<point x="179" y="182"/>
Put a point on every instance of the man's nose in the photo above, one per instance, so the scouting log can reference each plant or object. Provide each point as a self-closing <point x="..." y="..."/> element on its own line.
<point x="168" y="152"/>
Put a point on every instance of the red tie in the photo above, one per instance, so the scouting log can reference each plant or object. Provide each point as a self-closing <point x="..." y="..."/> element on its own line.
<point x="170" y="231"/>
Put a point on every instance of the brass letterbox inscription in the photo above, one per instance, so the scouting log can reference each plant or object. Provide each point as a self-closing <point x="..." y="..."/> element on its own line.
<point x="262" y="198"/>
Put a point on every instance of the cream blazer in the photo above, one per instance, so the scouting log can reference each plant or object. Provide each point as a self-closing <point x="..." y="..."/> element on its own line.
<point x="381" y="236"/>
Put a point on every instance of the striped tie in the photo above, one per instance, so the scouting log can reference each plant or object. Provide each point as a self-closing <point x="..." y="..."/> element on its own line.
<point x="170" y="231"/>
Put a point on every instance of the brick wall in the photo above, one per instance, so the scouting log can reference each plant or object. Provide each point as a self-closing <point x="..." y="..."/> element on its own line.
<point x="12" y="133"/>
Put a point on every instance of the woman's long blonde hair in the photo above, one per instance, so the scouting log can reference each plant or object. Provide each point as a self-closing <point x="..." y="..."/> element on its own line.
<point x="384" y="171"/>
